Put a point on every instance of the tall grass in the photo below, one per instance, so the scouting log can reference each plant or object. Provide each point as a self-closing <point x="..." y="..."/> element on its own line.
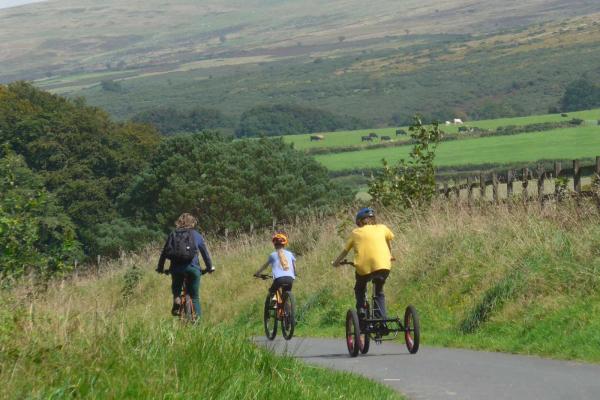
<point x="512" y="278"/>
<point x="109" y="336"/>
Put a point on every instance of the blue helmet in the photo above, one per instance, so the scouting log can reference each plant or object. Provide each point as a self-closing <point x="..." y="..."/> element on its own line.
<point x="364" y="213"/>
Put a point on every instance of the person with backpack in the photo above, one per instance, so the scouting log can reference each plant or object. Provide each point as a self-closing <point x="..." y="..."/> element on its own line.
<point x="372" y="257"/>
<point x="181" y="248"/>
<point x="282" y="262"/>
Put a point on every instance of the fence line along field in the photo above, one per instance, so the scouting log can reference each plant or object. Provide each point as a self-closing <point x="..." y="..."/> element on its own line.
<point x="353" y="138"/>
<point x="550" y="145"/>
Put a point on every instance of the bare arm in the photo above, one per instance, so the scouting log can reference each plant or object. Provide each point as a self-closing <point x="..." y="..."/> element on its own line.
<point x="262" y="268"/>
<point x="341" y="257"/>
<point x="389" y="243"/>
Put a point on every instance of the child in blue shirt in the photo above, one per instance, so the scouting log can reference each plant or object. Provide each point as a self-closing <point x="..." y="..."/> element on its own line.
<point x="282" y="262"/>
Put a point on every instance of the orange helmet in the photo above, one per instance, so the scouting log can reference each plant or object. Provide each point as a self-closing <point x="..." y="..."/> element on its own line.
<point x="280" y="238"/>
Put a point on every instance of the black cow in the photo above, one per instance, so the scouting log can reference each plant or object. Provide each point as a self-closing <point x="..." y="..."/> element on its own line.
<point x="400" y="132"/>
<point x="385" y="138"/>
<point x="372" y="135"/>
<point x="366" y="139"/>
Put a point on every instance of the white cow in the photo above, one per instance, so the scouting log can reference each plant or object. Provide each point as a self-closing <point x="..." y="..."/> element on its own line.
<point x="447" y="122"/>
<point x="458" y="121"/>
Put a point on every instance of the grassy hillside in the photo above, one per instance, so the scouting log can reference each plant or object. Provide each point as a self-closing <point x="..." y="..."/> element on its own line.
<point x="522" y="279"/>
<point x="353" y="138"/>
<point x="110" y="337"/>
<point x="507" y="278"/>
<point x="556" y="144"/>
<point x="382" y="62"/>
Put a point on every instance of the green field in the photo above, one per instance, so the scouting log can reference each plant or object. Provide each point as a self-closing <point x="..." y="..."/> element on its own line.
<point x="353" y="138"/>
<point x="555" y="144"/>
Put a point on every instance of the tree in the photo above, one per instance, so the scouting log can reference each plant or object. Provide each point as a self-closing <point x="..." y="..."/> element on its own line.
<point x="85" y="159"/>
<point x="35" y="233"/>
<point x="227" y="184"/>
<point x="580" y="95"/>
<point x="410" y="183"/>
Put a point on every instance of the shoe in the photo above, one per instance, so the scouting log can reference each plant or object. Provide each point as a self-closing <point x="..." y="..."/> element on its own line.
<point x="176" y="306"/>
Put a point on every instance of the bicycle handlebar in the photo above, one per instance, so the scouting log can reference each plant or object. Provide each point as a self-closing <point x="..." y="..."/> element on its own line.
<point x="346" y="262"/>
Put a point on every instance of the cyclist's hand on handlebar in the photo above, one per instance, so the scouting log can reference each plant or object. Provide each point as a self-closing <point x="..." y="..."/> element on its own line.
<point x="393" y="258"/>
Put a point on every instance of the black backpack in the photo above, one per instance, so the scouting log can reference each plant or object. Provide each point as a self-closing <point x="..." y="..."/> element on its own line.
<point x="180" y="246"/>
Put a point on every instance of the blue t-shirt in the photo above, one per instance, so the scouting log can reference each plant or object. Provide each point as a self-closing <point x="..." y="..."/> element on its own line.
<point x="277" y="268"/>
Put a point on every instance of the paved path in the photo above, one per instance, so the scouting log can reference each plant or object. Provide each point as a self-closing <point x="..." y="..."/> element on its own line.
<point x="439" y="373"/>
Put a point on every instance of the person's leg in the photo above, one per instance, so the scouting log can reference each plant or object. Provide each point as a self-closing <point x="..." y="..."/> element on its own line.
<point x="176" y="285"/>
<point x="360" y="288"/>
<point x="379" y="278"/>
<point x="193" y="287"/>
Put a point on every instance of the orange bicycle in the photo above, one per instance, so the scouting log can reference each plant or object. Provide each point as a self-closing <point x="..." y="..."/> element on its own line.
<point x="279" y="307"/>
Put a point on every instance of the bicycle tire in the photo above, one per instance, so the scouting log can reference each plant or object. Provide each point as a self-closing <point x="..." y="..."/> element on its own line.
<point x="365" y="338"/>
<point x="288" y="323"/>
<point x="352" y="333"/>
<point x="188" y="309"/>
<point x="270" y="318"/>
<point x="412" y="329"/>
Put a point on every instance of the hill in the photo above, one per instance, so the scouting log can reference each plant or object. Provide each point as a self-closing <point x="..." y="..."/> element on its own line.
<point x="514" y="279"/>
<point x="382" y="62"/>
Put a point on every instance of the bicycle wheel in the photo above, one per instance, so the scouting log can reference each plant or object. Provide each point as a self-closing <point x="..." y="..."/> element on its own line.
<point x="270" y="318"/>
<point x="288" y="323"/>
<point x="188" y="309"/>
<point x="365" y="339"/>
<point x="352" y="333"/>
<point x="412" y="329"/>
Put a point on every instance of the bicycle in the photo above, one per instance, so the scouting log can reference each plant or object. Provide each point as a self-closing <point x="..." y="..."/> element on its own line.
<point x="280" y="307"/>
<point x="186" y="311"/>
<point x="360" y="330"/>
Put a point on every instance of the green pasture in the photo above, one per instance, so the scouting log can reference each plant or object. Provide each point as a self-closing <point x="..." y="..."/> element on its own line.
<point x="353" y="138"/>
<point x="555" y="144"/>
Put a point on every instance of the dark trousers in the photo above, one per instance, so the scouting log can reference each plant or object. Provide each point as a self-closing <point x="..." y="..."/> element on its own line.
<point x="360" y="289"/>
<point x="192" y="273"/>
<point x="284" y="281"/>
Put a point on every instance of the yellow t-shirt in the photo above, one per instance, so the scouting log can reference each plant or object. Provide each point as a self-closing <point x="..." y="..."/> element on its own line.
<point x="371" y="252"/>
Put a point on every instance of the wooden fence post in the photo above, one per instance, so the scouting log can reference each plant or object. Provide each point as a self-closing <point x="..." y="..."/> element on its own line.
<point x="495" y="187"/>
<point x="540" y="183"/>
<point x="576" y="176"/>
<point x="598" y="165"/>
<point x="469" y="190"/>
<point x="557" y="170"/>
<point x="510" y="178"/>
<point x="525" y="183"/>
<point x="456" y="190"/>
<point x="482" y="186"/>
<point x="446" y="190"/>
<point x="274" y="223"/>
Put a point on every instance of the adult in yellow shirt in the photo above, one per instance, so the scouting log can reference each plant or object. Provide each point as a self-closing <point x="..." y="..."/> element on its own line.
<point x="372" y="257"/>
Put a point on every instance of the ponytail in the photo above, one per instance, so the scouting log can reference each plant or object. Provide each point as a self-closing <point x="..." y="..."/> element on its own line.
<point x="283" y="259"/>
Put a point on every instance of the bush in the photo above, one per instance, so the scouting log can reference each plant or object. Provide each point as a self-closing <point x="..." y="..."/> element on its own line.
<point x="169" y="120"/>
<point x="35" y="234"/>
<point x="290" y="119"/>
<point x="227" y="184"/>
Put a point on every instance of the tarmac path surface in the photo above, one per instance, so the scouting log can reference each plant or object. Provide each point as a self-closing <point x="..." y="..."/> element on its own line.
<point x="442" y="373"/>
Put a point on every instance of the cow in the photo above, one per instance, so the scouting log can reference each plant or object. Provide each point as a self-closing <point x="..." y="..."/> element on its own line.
<point x="385" y="138"/>
<point x="400" y="132"/>
<point x="463" y="129"/>
<point x="458" y="121"/>
<point x="372" y="135"/>
<point x="316" y="138"/>
<point x="366" y="139"/>
<point x="447" y="122"/>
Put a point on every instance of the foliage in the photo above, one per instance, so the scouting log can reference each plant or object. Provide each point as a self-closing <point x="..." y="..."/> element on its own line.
<point x="118" y="235"/>
<point x="227" y="184"/>
<point x="85" y="159"/>
<point x="412" y="182"/>
<point x="170" y="120"/>
<point x="35" y="234"/>
<point x="581" y="94"/>
<point x="291" y="119"/>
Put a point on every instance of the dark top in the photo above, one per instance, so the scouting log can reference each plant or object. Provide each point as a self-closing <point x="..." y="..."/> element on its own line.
<point x="179" y="267"/>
